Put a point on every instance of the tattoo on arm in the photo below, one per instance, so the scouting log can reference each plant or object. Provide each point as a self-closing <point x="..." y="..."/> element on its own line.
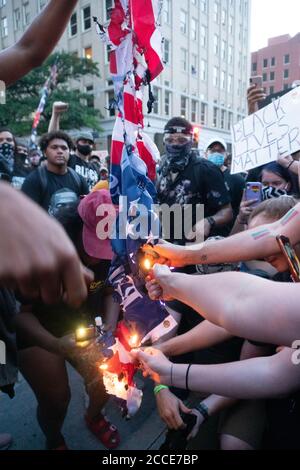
<point x="288" y="217"/>
<point x="261" y="234"/>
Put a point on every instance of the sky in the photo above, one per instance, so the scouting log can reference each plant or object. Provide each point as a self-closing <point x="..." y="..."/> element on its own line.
<point x="273" y="18"/>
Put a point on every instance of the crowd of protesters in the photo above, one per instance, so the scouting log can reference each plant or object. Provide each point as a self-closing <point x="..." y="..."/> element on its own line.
<point x="232" y="295"/>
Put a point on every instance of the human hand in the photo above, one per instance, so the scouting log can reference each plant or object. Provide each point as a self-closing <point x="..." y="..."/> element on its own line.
<point x="169" y="254"/>
<point x="59" y="107"/>
<point x="169" y="407"/>
<point x="246" y="208"/>
<point x="254" y="95"/>
<point x="285" y="162"/>
<point x="37" y="257"/>
<point x="157" y="283"/>
<point x="154" y="364"/>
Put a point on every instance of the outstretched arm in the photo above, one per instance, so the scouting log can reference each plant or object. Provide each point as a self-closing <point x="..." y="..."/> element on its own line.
<point x="262" y="377"/>
<point x="37" y="42"/>
<point x="204" y="335"/>
<point x="244" y="305"/>
<point x="257" y="243"/>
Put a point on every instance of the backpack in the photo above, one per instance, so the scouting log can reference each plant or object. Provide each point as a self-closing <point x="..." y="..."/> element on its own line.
<point x="44" y="182"/>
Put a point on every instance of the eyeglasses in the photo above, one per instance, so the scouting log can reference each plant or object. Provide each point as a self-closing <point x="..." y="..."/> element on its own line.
<point x="176" y="139"/>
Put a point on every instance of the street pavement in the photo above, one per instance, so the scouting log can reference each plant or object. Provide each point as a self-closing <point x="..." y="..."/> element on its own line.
<point x="18" y="417"/>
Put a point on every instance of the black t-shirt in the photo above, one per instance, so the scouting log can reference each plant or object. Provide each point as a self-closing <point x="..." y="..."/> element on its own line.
<point x="201" y="182"/>
<point x="85" y="169"/>
<point x="33" y="186"/>
<point x="8" y="371"/>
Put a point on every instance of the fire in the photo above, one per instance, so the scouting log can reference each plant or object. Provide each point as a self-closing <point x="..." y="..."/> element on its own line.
<point x="147" y="264"/>
<point x="133" y="341"/>
<point x="80" y="334"/>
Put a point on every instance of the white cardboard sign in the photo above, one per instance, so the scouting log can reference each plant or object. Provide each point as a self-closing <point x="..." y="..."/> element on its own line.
<point x="263" y="136"/>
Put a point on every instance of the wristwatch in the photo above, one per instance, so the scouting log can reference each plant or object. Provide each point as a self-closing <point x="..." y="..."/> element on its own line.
<point x="203" y="409"/>
<point x="211" y="221"/>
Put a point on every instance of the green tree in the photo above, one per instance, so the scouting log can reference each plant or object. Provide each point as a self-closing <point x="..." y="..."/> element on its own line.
<point x="22" y="98"/>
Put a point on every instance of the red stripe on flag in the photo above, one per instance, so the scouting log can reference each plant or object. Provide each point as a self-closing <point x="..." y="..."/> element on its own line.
<point x="148" y="159"/>
<point x="131" y="109"/>
<point x="116" y="152"/>
<point x="144" y="27"/>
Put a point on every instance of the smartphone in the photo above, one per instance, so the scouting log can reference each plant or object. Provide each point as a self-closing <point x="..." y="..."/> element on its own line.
<point x="254" y="192"/>
<point x="257" y="80"/>
<point x="291" y="257"/>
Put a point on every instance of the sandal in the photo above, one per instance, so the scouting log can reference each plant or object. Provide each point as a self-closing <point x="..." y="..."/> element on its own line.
<point x="106" y="432"/>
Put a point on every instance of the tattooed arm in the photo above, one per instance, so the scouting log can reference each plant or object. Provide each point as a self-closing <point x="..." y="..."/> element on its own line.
<point x="257" y="243"/>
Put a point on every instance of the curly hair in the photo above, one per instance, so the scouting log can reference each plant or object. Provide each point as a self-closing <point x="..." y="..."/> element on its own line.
<point x="47" y="138"/>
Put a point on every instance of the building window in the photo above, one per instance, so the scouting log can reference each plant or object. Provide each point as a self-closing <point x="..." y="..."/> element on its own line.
<point x="88" y="53"/>
<point x="109" y="5"/>
<point x="216" y="77"/>
<point x="194" y="113"/>
<point x="223" y="119"/>
<point x="286" y="86"/>
<point x="230" y="120"/>
<point x="183" y="21"/>
<point x="231" y="25"/>
<point x="272" y="76"/>
<point x="254" y="67"/>
<point x="194" y="29"/>
<point x="229" y="83"/>
<point x="216" y="44"/>
<point x="90" y="99"/>
<point x="183" y="106"/>
<point x="230" y="55"/>
<point x="156" y="93"/>
<point x="265" y="77"/>
<point x="216" y="117"/>
<point x="167" y="51"/>
<point x="203" y="39"/>
<point x="203" y="6"/>
<point x="273" y="62"/>
<point x="194" y="64"/>
<point x="167" y="11"/>
<point x="42" y="3"/>
<point x="223" y="17"/>
<point x="26" y="14"/>
<point x="287" y="58"/>
<point x="110" y="96"/>
<point x="203" y="71"/>
<point x="216" y="12"/>
<point x="73" y="25"/>
<point x="286" y="73"/>
<point x="203" y="117"/>
<point x="86" y="18"/>
<point x="183" y="60"/>
<point x="265" y="63"/>
<point x="167" y="103"/>
<point x="223" y="50"/>
<point x="17" y="19"/>
<point x="2" y="3"/>
<point x="194" y="2"/>
<point x="223" y="80"/>
<point x="4" y="27"/>
<point x="271" y="90"/>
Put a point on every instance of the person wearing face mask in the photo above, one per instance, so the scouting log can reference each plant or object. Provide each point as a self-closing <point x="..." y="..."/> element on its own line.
<point x="185" y="178"/>
<point x="216" y="153"/>
<point x="276" y="181"/>
<point x="80" y="160"/>
<point x="7" y="154"/>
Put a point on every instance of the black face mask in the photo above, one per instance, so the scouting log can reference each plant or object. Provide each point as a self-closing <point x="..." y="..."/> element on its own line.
<point x="7" y="153"/>
<point x="84" y="149"/>
<point x="178" y="156"/>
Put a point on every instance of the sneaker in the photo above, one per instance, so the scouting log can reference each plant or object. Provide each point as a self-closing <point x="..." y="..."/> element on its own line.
<point x="5" y="441"/>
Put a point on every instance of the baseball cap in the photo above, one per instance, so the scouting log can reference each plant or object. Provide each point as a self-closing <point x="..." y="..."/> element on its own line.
<point x="87" y="209"/>
<point x="216" y="140"/>
<point x="85" y="136"/>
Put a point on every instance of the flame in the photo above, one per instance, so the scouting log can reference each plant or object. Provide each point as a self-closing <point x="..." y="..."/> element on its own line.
<point x="147" y="264"/>
<point x="80" y="333"/>
<point x="133" y="341"/>
<point x="103" y="367"/>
